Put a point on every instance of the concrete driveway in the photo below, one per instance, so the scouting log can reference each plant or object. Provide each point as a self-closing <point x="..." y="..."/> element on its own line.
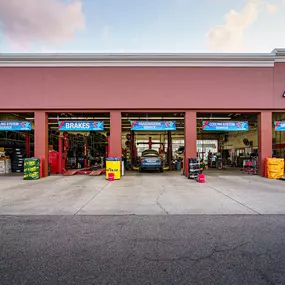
<point x="142" y="194"/>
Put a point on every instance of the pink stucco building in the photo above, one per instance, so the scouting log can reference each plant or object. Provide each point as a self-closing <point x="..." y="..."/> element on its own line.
<point x="130" y="83"/>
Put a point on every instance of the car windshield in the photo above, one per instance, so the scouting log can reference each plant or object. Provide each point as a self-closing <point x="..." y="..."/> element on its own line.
<point x="150" y="152"/>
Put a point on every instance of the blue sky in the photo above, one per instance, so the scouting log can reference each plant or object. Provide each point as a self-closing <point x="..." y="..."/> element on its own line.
<point x="142" y="26"/>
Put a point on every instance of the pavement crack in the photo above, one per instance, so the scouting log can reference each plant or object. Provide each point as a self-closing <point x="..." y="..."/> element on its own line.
<point x="249" y="208"/>
<point x="94" y="196"/>
<point x="214" y="251"/>
<point x="158" y="203"/>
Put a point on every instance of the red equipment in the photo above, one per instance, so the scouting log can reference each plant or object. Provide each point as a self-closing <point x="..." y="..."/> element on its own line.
<point x="53" y="159"/>
<point x="60" y="154"/>
<point x="250" y="166"/>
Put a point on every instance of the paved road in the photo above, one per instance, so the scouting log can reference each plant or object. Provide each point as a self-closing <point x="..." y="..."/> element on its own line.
<point x="246" y="249"/>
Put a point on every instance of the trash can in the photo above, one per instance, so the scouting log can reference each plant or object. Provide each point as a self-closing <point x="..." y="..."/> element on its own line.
<point x="178" y="165"/>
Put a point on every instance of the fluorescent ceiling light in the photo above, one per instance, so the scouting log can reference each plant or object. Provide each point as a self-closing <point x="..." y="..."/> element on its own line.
<point x="153" y="118"/>
<point x="133" y="118"/>
<point x="78" y="118"/>
<point x="213" y="118"/>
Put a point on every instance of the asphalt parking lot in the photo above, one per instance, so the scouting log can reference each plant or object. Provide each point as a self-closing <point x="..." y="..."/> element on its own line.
<point x="131" y="250"/>
<point x="142" y="194"/>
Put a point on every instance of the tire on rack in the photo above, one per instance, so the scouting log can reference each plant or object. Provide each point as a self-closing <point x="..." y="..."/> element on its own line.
<point x="17" y="165"/>
<point x="18" y="170"/>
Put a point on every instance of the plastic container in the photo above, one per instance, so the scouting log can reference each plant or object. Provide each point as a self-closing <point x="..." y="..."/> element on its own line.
<point x="178" y="165"/>
<point x="111" y="176"/>
<point x="201" y="178"/>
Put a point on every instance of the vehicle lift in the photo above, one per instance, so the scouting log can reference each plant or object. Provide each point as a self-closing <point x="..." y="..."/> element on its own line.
<point x="63" y="147"/>
<point x="150" y="143"/>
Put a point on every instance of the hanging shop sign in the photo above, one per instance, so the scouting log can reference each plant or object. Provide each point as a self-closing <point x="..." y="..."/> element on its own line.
<point x="279" y="126"/>
<point x="80" y="126"/>
<point x="15" y="126"/>
<point x="153" y="125"/>
<point x="224" y="126"/>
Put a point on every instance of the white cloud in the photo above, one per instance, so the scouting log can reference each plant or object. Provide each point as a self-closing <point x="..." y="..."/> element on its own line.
<point x="47" y="21"/>
<point x="271" y="8"/>
<point x="229" y="36"/>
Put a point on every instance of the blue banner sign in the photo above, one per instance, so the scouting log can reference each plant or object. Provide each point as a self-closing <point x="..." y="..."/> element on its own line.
<point x="83" y="126"/>
<point x="153" y="125"/>
<point x="224" y="126"/>
<point x="15" y="126"/>
<point x="279" y="126"/>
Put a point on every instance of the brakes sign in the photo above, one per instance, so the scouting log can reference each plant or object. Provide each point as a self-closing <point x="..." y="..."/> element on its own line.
<point x="80" y="126"/>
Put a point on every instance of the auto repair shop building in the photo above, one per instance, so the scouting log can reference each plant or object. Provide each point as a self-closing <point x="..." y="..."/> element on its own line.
<point x="116" y="84"/>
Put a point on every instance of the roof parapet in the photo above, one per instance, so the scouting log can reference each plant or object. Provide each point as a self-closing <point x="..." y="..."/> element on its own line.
<point x="143" y="59"/>
<point x="279" y="54"/>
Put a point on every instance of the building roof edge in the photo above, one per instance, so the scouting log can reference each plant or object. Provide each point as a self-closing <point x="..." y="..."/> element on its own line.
<point x="139" y="59"/>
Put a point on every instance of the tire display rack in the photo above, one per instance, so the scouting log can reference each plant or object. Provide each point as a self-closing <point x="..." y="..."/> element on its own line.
<point x="17" y="160"/>
<point x="193" y="168"/>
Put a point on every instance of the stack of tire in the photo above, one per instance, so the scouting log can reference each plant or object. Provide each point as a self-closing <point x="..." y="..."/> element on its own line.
<point x="17" y="160"/>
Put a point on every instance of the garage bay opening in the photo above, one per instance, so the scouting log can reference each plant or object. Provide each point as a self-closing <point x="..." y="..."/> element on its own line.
<point x="16" y="142"/>
<point x="227" y="143"/>
<point x="78" y="143"/>
<point x="152" y="142"/>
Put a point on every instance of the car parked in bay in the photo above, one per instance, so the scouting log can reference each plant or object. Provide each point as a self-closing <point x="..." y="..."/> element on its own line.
<point x="150" y="160"/>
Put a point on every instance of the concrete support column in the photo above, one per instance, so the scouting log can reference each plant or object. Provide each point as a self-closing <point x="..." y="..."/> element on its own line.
<point x="264" y="138"/>
<point x="41" y="139"/>
<point x="190" y="137"/>
<point x="115" y="148"/>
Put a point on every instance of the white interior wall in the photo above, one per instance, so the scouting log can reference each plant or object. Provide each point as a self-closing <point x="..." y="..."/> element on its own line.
<point x="235" y="139"/>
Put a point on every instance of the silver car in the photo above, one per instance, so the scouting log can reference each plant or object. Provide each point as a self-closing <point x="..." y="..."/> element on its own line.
<point x="150" y="160"/>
